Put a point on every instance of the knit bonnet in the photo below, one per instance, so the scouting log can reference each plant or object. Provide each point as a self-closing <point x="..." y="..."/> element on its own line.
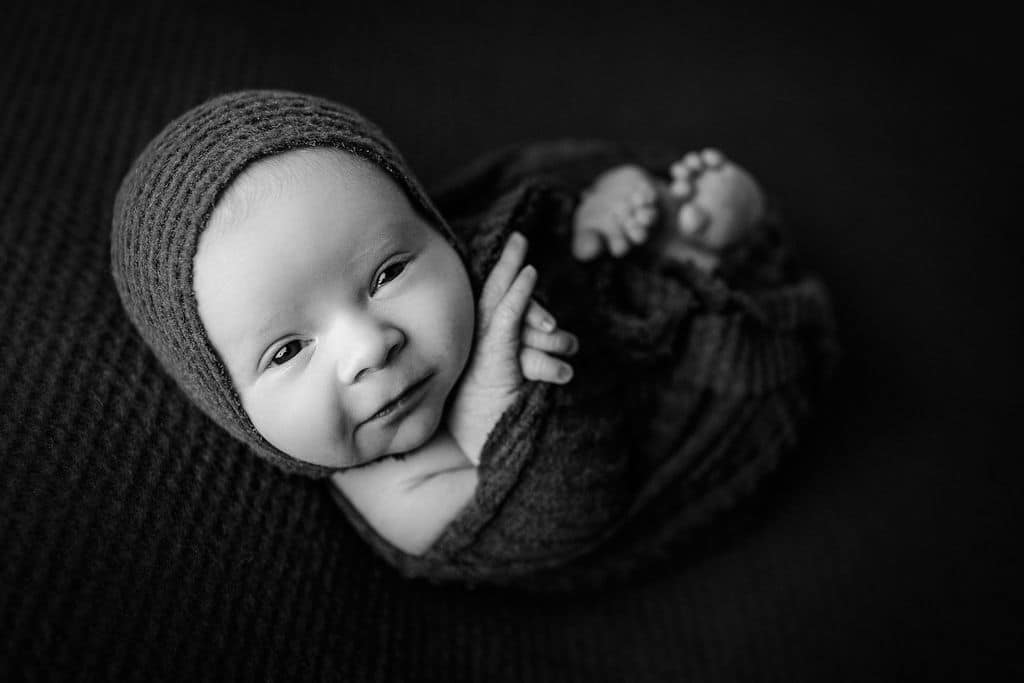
<point x="165" y="202"/>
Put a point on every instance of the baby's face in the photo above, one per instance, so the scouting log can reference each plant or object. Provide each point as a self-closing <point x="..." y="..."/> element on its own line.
<point x="327" y="298"/>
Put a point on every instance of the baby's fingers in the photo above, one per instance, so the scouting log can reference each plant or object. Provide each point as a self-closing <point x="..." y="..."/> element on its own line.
<point x="502" y="275"/>
<point x="538" y="366"/>
<point x="538" y="317"/>
<point x="508" y="314"/>
<point x="560" y="342"/>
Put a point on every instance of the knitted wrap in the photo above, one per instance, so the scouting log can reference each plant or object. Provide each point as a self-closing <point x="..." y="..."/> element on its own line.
<point x="165" y="202"/>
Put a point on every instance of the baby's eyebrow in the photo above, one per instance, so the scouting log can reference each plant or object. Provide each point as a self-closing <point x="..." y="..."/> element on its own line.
<point x="386" y="237"/>
<point x="270" y="324"/>
<point x="262" y="334"/>
<point x="379" y="238"/>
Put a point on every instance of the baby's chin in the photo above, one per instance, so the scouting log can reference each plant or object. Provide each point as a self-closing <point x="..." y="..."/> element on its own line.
<point x="412" y="433"/>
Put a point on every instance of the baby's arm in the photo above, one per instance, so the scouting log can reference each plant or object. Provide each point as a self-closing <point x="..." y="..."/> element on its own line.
<point x="410" y="500"/>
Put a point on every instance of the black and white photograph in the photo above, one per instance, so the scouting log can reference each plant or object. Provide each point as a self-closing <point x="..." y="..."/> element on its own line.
<point x="509" y="342"/>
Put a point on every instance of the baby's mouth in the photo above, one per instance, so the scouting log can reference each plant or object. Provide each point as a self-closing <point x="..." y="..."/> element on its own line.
<point x="407" y="397"/>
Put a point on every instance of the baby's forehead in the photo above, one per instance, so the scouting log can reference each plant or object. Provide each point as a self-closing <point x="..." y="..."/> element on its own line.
<point x="267" y="178"/>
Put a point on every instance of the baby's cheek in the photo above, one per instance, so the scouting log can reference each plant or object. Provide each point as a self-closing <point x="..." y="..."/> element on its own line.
<point x="459" y="325"/>
<point x="296" y="425"/>
<point x="463" y="325"/>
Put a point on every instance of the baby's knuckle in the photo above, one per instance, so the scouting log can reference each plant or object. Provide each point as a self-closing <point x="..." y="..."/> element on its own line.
<point x="506" y="314"/>
<point x="536" y="367"/>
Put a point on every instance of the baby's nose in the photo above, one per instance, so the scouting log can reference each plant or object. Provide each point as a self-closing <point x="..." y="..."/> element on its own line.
<point x="372" y="347"/>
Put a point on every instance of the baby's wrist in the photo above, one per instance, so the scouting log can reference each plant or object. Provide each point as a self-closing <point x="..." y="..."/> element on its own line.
<point x="470" y="422"/>
<point x="468" y="438"/>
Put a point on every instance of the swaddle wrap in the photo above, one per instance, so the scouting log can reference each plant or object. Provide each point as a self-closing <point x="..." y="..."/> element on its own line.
<point x="689" y="387"/>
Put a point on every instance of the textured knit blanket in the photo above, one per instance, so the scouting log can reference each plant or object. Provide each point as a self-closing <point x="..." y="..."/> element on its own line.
<point x="688" y="387"/>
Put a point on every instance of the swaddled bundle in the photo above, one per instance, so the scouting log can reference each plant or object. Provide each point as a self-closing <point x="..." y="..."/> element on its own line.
<point x="688" y="386"/>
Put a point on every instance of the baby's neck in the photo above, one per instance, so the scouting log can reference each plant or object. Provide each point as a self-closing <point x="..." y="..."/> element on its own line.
<point x="409" y="500"/>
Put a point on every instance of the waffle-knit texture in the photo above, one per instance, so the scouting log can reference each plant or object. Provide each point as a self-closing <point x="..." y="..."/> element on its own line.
<point x="141" y="542"/>
<point x="165" y="202"/>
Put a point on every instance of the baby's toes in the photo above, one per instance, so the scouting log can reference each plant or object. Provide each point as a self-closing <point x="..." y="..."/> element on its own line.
<point x="679" y="170"/>
<point x="598" y="226"/>
<point x="681" y="187"/>
<point x="692" y="219"/>
<point x="598" y="213"/>
<point x="693" y="162"/>
<point x="621" y="211"/>
<point x="618" y="243"/>
<point x="586" y="244"/>
<point x="712" y="158"/>
<point x="634" y="231"/>
<point x="636" y="226"/>
<point x="645" y="215"/>
<point x="643" y="218"/>
<point x="684" y="173"/>
<point x="618" y="222"/>
<point x="642" y="195"/>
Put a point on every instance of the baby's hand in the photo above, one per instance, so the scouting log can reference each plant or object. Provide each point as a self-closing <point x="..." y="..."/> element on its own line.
<point x="506" y="351"/>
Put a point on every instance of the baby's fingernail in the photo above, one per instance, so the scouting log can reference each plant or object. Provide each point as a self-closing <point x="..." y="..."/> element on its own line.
<point x="565" y="372"/>
<point x="574" y="343"/>
<point x="547" y="324"/>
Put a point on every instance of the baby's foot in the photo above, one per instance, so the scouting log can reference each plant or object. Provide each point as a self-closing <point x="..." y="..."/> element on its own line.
<point x="618" y="209"/>
<point x="716" y="202"/>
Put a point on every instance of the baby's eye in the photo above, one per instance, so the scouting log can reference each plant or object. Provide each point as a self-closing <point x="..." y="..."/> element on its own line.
<point x="286" y="352"/>
<point x="389" y="273"/>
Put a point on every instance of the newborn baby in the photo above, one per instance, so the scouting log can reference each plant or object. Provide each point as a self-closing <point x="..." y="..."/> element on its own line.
<point x="318" y="306"/>
<point x="346" y="323"/>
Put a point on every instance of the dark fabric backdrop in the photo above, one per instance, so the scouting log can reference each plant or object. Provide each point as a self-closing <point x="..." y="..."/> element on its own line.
<point x="133" y="544"/>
